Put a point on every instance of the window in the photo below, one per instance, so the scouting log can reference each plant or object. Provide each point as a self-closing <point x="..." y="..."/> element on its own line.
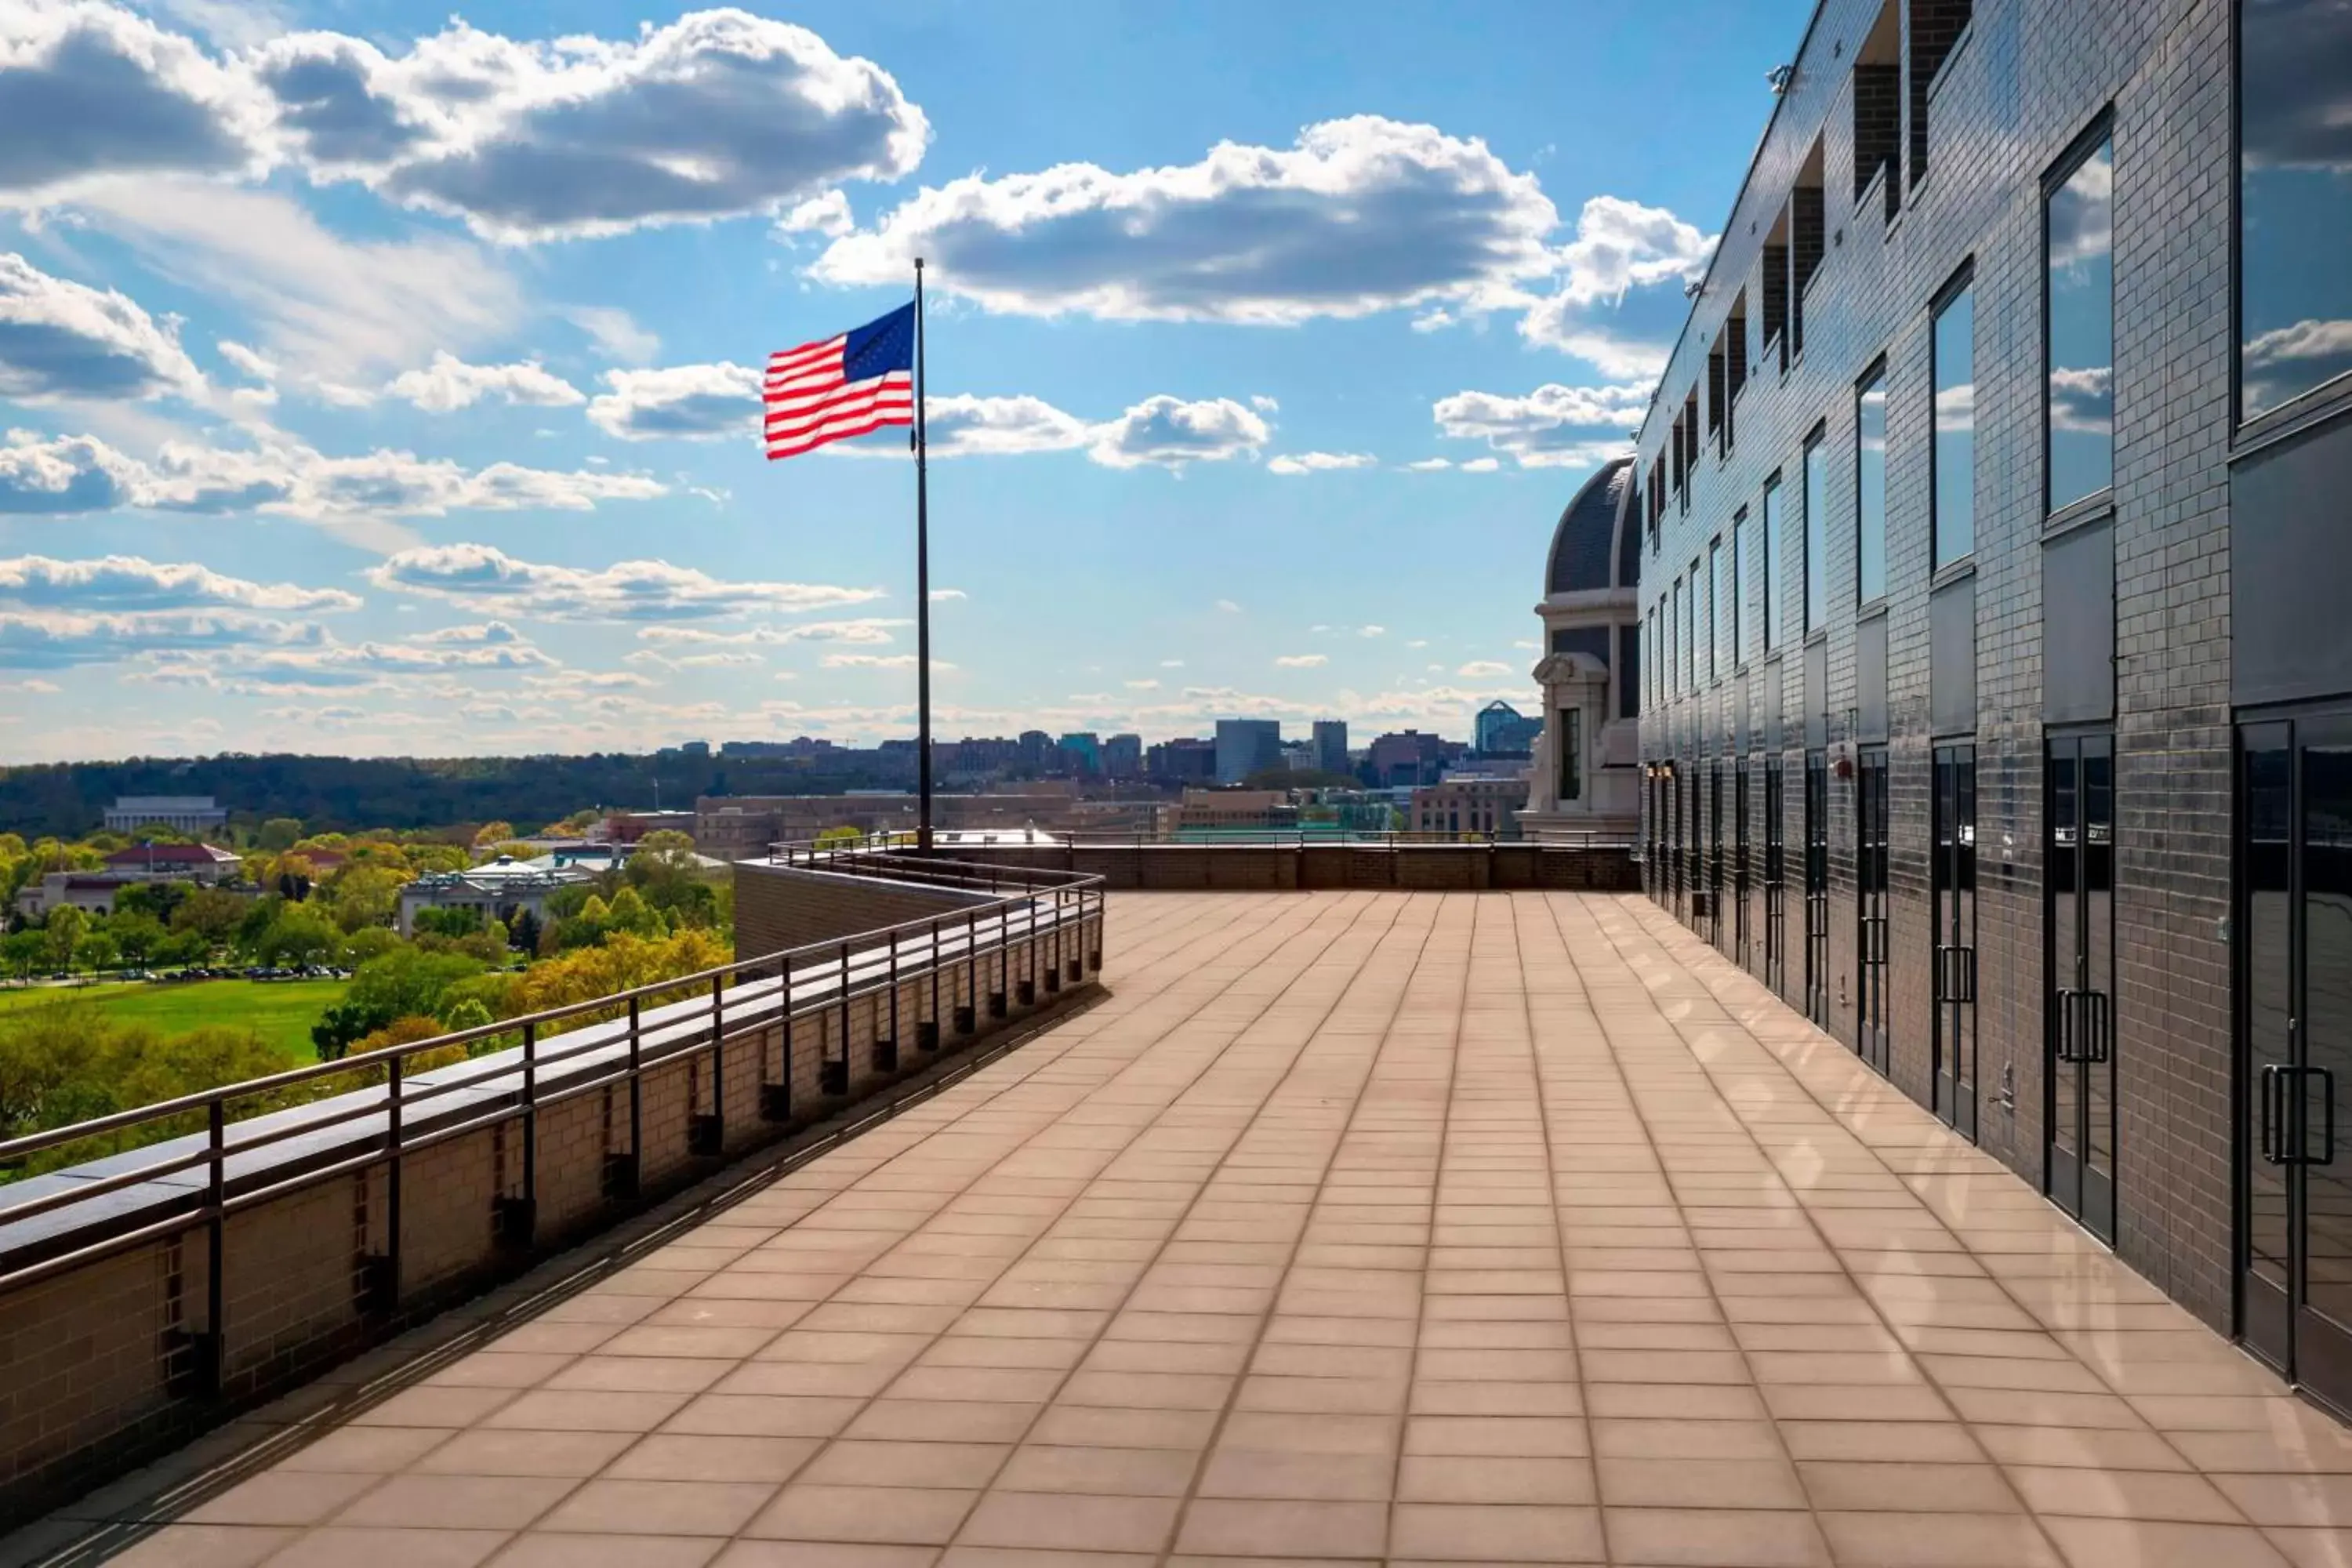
<point x="1629" y="686"/>
<point x="1571" y="753"/>
<point x="2295" y="200"/>
<point x="1711" y="620"/>
<point x="1675" y="658"/>
<point x="1870" y="486"/>
<point x="1739" y="587"/>
<point x="1877" y="102"/>
<point x="1808" y="234"/>
<point x="2078" y="407"/>
<point x="1768" y="572"/>
<point x="1953" y="498"/>
<point x="1690" y="632"/>
<point x="1936" y="27"/>
<point x="1817" y="531"/>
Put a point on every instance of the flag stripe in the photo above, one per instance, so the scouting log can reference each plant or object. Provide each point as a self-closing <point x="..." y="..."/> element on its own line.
<point x="779" y="403"/>
<point x="863" y="428"/>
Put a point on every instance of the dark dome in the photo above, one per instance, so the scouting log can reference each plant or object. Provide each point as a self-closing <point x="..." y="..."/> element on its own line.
<point x="1585" y="545"/>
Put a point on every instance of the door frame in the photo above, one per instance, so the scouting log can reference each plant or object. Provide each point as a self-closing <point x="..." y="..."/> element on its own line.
<point x="1874" y="841"/>
<point x="1953" y="964"/>
<point x="2052" y="1024"/>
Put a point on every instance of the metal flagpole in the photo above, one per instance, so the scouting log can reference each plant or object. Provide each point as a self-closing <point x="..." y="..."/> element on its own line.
<point x="922" y="593"/>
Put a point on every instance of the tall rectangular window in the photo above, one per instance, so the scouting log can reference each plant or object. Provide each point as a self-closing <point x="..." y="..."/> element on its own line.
<point x="2295" y="200"/>
<point x="1954" y="523"/>
<point x="1817" y="533"/>
<point x="1690" y="631"/>
<point x="1674" y="659"/>
<point x="2078" y="407"/>
<point x="1738" y="588"/>
<point x="1870" y="486"/>
<point x="1768" y="572"/>
<point x="1571" y="753"/>
<point x="1711" y="622"/>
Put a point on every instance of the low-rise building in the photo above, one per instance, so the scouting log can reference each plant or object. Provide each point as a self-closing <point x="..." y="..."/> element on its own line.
<point x="181" y="812"/>
<point x="1469" y="803"/>
<point x="497" y="891"/>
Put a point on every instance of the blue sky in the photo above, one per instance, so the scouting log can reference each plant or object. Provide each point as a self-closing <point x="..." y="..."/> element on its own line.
<point x="379" y="384"/>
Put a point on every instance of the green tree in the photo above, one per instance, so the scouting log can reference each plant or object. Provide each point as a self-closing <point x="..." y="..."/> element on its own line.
<point x="493" y="833"/>
<point x="403" y="983"/>
<point x="136" y="932"/>
<point x="300" y="934"/>
<point x="156" y="899"/>
<point x="22" y="952"/>
<point x="523" y="934"/>
<point x="453" y="921"/>
<point x="98" y="952"/>
<point x="369" y="942"/>
<point x="366" y="893"/>
<point x="279" y="834"/>
<point x="66" y="927"/>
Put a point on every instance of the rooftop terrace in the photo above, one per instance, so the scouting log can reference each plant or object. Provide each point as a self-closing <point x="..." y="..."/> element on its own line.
<point x="1350" y="1226"/>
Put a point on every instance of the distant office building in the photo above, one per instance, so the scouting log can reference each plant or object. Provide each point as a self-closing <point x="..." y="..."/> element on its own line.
<point x="194" y="814"/>
<point x="1245" y="746"/>
<point x="974" y="754"/>
<point x="1036" y="749"/>
<point x="1408" y="757"/>
<point x="1081" y="752"/>
<point x="1502" y="730"/>
<point x="1331" y="745"/>
<point x="1469" y="803"/>
<point x="1181" y="762"/>
<point x="1227" y="810"/>
<point x="1122" y="757"/>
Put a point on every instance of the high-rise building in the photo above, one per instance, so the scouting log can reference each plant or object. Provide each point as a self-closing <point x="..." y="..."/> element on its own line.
<point x="1036" y="749"/>
<point x="2023" y="653"/>
<point x="1181" y="762"/>
<point x="1081" y="752"/>
<point x="1122" y="757"/>
<point x="1408" y="757"/>
<point x="1331" y="745"/>
<point x="1502" y="730"/>
<point x="1245" y="746"/>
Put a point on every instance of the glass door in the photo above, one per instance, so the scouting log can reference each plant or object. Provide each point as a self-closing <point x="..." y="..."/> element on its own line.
<point x="1715" y="854"/>
<point x="1954" y="968"/>
<point x="1817" y="887"/>
<point x="2079" y="1014"/>
<point x="2295" y="1048"/>
<point x="1776" y="935"/>
<point x="1870" y="906"/>
<point x="1674" y="836"/>
<point x="1742" y="881"/>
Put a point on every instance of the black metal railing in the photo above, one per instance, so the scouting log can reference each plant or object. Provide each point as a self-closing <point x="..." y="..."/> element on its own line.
<point x="197" y="1161"/>
<point x="817" y="855"/>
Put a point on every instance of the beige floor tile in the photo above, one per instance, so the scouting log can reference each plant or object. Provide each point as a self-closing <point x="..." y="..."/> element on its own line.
<point x="1041" y="1522"/>
<point x="2104" y="1543"/>
<point x="1713" y="1538"/>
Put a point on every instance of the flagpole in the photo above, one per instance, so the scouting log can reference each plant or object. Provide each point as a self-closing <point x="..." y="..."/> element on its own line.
<point x="922" y="592"/>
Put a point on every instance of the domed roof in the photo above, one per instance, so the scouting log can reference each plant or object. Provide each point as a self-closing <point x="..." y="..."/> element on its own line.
<point x="1594" y="531"/>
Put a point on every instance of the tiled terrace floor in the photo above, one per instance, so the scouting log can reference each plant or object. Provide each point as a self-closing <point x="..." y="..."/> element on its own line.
<point x="1352" y="1227"/>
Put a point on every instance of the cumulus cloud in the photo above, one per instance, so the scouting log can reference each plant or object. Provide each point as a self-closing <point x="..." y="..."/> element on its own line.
<point x="1292" y="463"/>
<point x="62" y="339"/>
<point x="1229" y="607"/>
<point x="877" y="661"/>
<point x="450" y="383"/>
<point x="61" y="639"/>
<point x="2280" y="363"/>
<point x="1171" y="432"/>
<point x="1483" y="668"/>
<point x="89" y="90"/>
<point x="1429" y="465"/>
<point x="690" y="402"/>
<point x="941" y="595"/>
<point x="716" y="114"/>
<point x="483" y="576"/>
<point x="131" y="584"/>
<point x="614" y="332"/>
<point x="1360" y="215"/>
<point x="827" y="215"/>
<point x="335" y="665"/>
<point x="1482" y="465"/>
<point x="963" y="424"/>
<point x="1622" y="245"/>
<point x="80" y="474"/>
<point x="1301" y="661"/>
<point x="714" y="660"/>
<point x="1552" y="426"/>
<point x="1612" y="356"/>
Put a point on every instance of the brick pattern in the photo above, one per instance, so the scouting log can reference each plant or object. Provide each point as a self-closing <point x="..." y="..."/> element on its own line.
<point x="1175" y="868"/>
<point x="2028" y="82"/>
<point x="89" y="1359"/>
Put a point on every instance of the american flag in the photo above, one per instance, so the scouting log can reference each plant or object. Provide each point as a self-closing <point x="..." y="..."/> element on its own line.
<point x="843" y="386"/>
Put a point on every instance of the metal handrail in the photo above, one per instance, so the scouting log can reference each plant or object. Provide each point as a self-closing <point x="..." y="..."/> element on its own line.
<point x="811" y="854"/>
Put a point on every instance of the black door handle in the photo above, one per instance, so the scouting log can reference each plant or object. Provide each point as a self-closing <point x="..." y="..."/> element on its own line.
<point x="2274" y="1077"/>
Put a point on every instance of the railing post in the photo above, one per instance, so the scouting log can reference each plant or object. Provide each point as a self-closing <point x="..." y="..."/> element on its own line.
<point x="996" y="1000"/>
<point x="625" y="1173"/>
<point x="776" y="1098"/>
<point x="1054" y="966"/>
<point x="885" y="1052"/>
<point x="382" y="1284"/>
<point x="211" y="1347"/>
<point x="518" y="1217"/>
<point x="707" y="1134"/>
<point x="832" y="1076"/>
<point x="927" y="1034"/>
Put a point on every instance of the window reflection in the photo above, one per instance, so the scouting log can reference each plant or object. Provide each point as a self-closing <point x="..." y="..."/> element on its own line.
<point x="1870" y="483"/>
<point x="1817" y="550"/>
<point x="2081" y="409"/>
<point x="2294" y="199"/>
<point x="1956" y="441"/>
<point x="1768" y="575"/>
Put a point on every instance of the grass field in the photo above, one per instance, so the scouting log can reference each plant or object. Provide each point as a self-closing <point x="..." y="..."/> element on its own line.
<point x="282" y="1010"/>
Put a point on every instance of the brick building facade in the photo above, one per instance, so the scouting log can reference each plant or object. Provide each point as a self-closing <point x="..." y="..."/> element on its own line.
<point x="1997" y="690"/>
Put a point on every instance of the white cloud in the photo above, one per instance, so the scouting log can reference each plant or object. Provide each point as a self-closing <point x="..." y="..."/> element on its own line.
<point x="1143" y="686"/>
<point x="1371" y="631"/>
<point x="1429" y="465"/>
<point x="942" y="595"/>
<point x="614" y="332"/>
<point x="877" y="661"/>
<point x="257" y="366"/>
<point x="1301" y="661"/>
<point x="827" y="215"/>
<point x="1229" y="607"/>
<point x="1481" y="669"/>
<point x="341" y="311"/>
<point x="1362" y="214"/>
<point x="1481" y="465"/>
<point x="1171" y="432"/>
<point x="481" y="575"/>
<point x="80" y="474"/>
<point x="1171" y="664"/>
<point x="646" y="655"/>
<point x="691" y="402"/>
<point x="450" y="383"/>
<point x="131" y="584"/>
<point x="716" y="114"/>
<point x="1552" y="426"/>
<point x="1317" y="462"/>
<point x="1263" y="402"/>
<point x="336" y="666"/>
<point x="960" y="425"/>
<point x="1622" y="245"/>
<point x="59" y="639"/>
<point x="1612" y="356"/>
<point x="62" y="339"/>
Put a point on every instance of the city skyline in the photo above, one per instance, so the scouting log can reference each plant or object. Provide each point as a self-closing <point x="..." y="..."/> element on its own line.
<point x="338" y="422"/>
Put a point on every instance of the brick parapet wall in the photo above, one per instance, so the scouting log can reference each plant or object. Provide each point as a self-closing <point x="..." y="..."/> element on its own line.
<point x="1281" y="867"/>
<point x="91" y="1361"/>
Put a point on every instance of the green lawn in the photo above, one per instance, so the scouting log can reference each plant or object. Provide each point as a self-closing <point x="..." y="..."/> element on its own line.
<point x="282" y="1010"/>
